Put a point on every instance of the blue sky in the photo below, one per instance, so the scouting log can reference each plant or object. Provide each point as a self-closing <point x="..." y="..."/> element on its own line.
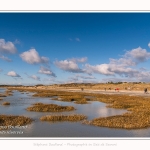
<point x="48" y="48"/>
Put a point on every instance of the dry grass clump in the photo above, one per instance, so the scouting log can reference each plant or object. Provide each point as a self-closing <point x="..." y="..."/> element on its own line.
<point x="6" y="103"/>
<point x="1" y="99"/>
<point x="9" y="120"/>
<point x="2" y="95"/>
<point x="63" y="118"/>
<point x="73" y="97"/>
<point x="82" y="101"/>
<point x="40" y="107"/>
<point x="126" y="121"/>
<point x="8" y="93"/>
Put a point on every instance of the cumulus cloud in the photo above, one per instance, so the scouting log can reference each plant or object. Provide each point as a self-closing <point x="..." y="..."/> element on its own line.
<point x="69" y="65"/>
<point x="35" y="77"/>
<point x="124" y="62"/>
<point x="149" y="44"/>
<point x="7" y="47"/>
<point x="138" y="54"/>
<point x="5" y="58"/>
<point x="140" y="76"/>
<point x="47" y="71"/>
<point x="100" y="69"/>
<point x="32" y="57"/>
<point x="13" y="74"/>
<point x="112" y="70"/>
<point x="124" y="66"/>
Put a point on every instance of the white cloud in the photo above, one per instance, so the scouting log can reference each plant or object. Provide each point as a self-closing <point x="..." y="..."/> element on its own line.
<point x="5" y="58"/>
<point x="138" y="54"/>
<point x="143" y="76"/>
<point x="35" y="77"/>
<point x="100" y="69"/>
<point x="13" y="74"/>
<point x="32" y="57"/>
<point x="123" y="66"/>
<point x="124" y="62"/>
<point x="112" y="70"/>
<point x="149" y="44"/>
<point x="46" y="71"/>
<point x="7" y="47"/>
<point x="68" y="65"/>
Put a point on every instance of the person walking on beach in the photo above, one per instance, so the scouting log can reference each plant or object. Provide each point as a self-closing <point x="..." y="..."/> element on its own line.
<point x="145" y="91"/>
<point x="117" y="89"/>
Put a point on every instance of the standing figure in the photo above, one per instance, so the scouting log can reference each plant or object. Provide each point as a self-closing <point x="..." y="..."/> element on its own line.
<point x="117" y="89"/>
<point x="145" y="91"/>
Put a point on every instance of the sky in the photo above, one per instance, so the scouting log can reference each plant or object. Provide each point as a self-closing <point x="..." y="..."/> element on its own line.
<point x="56" y="48"/>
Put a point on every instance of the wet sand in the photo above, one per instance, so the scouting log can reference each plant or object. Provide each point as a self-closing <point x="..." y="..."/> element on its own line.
<point x="121" y="92"/>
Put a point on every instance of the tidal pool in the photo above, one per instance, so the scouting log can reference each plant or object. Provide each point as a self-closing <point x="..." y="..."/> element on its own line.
<point x="20" y="101"/>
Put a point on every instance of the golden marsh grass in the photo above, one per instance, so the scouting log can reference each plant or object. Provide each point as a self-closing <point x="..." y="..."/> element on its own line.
<point x="40" y="107"/>
<point x="2" y="95"/>
<point x="9" y="120"/>
<point x="63" y="118"/>
<point x="6" y="103"/>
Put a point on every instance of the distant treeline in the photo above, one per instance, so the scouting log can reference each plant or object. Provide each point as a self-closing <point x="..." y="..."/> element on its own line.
<point x="10" y="85"/>
<point x="75" y="84"/>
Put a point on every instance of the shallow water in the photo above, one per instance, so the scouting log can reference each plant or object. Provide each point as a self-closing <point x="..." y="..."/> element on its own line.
<point x="20" y="101"/>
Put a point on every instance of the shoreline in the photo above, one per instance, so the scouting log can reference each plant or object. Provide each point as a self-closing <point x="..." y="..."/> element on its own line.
<point x="87" y="90"/>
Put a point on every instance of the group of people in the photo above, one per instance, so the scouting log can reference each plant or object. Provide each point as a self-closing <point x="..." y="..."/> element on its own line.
<point x="117" y="89"/>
